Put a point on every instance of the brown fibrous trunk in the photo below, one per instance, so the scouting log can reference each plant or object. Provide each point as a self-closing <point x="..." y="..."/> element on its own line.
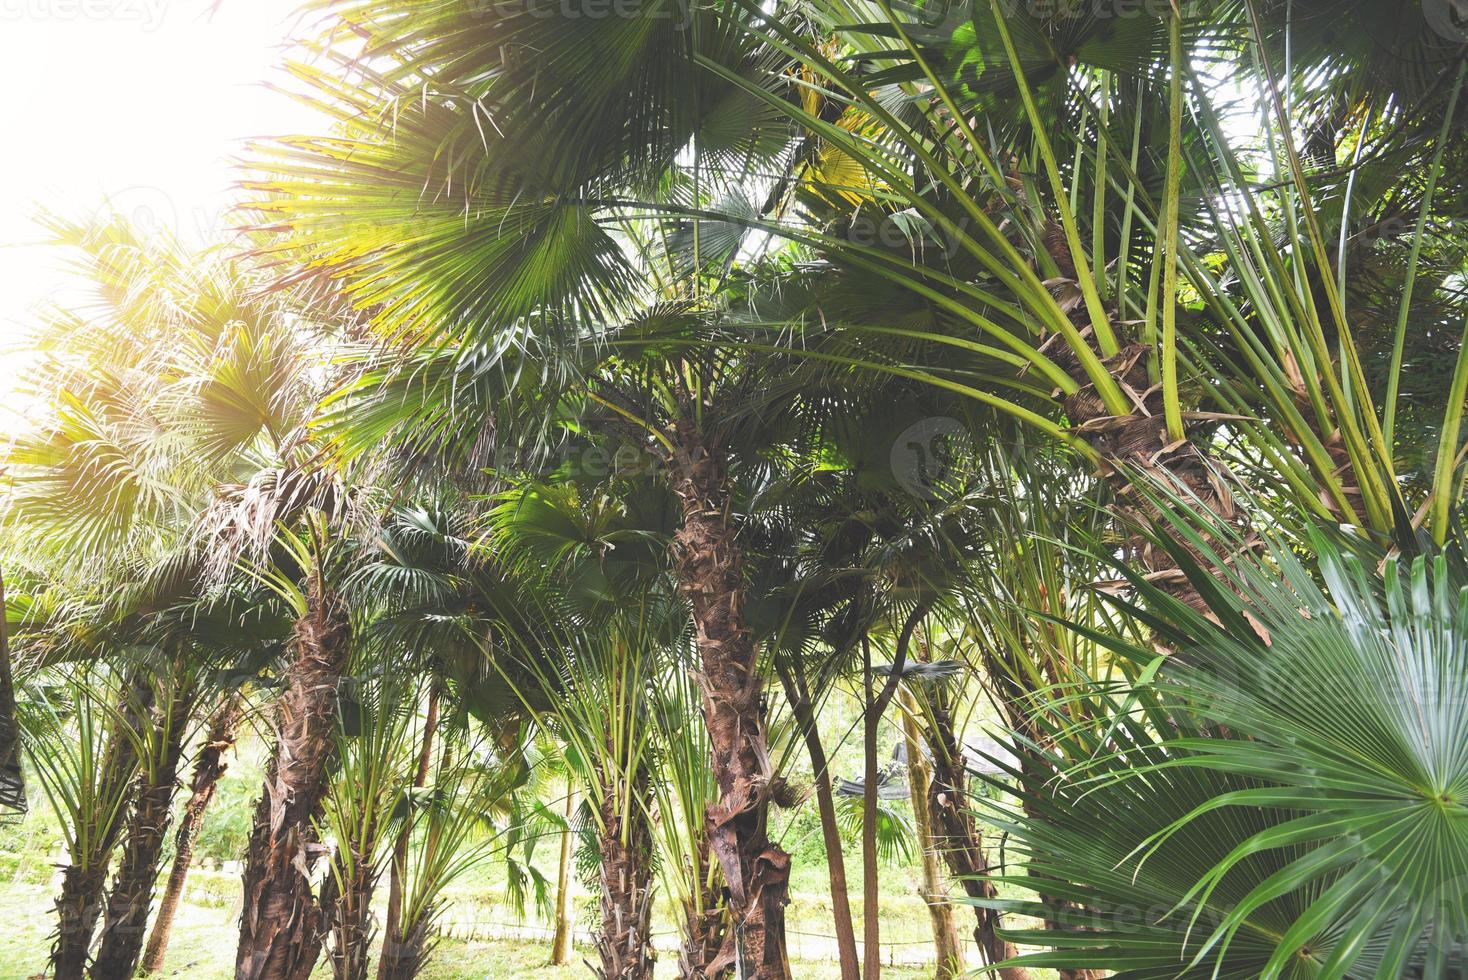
<point x="347" y="912"/>
<point x="80" y="903"/>
<point x="77" y="908"/>
<point x="624" y="941"/>
<point x="1137" y="443"/>
<point x="948" y="952"/>
<point x="958" y="837"/>
<point x="708" y="566"/>
<point x="125" y="924"/>
<point x="704" y="926"/>
<point x="208" y="768"/>
<point x="281" y="925"/>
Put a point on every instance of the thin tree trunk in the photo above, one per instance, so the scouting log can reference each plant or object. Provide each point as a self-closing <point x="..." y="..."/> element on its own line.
<point x="934" y="889"/>
<point x="624" y="942"/>
<point x="281" y="923"/>
<point x="708" y="565"/>
<point x="125" y="925"/>
<point x="955" y="830"/>
<point x="12" y="785"/>
<point x="798" y="695"/>
<point x="392" y="942"/>
<point x="84" y="881"/>
<point x="208" y="768"/>
<point x="871" y="927"/>
<point x="875" y="707"/>
<point x="561" y="942"/>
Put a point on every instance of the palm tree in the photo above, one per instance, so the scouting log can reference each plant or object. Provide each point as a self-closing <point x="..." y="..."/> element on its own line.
<point x="432" y="598"/>
<point x="125" y="920"/>
<point x="1054" y="220"/>
<point x="394" y="937"/>
<point x="85" y="750"/>
<point x="1014" y="240"/>
<point x="1277" y="793"/>
<point x="209" y="765"/>
<point x="139" y="431"/>
<point x="885" y="552"/>
<point x="189" y="381"/>
<point x="688" y="417"/>
<point x="682" y="792"/>
<point x="152" y="672"/>
<point x="589" y="670"/>
<point x="544" y="287"/>
<point x="373" y="750"/>
<point x="283" y="922"/>
<point x="198" y="646"/>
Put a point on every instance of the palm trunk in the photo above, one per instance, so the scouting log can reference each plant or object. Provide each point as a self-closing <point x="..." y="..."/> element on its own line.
<point x="77" y="910"/>
<point x="875" y="707"/>
<point x="410" y="954"/>
<point x="624" y="942"/>
<point x="84" y="881"/>
<point x="348" y="912"/>
<point x="1138" y="443"/>
<point x="12" y="786"/>
<point x="281" y="927"/>
<point x="392" y="941"/>
<point x="798" y="695"/>
<point x="707" y="563"/>
<point x="125" y="925"/>
<point x="209" y="766"/>
<point x="561" y="942"/>
<point x="957" y="832"/>
<point x="704" y="926"/>
<point x="934" y="890"/>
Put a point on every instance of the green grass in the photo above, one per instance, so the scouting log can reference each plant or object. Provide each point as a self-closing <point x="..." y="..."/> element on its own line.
<point x="204" y="935"/>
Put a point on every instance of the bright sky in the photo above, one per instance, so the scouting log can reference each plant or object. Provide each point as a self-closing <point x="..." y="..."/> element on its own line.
<point x="140" y="103"/>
